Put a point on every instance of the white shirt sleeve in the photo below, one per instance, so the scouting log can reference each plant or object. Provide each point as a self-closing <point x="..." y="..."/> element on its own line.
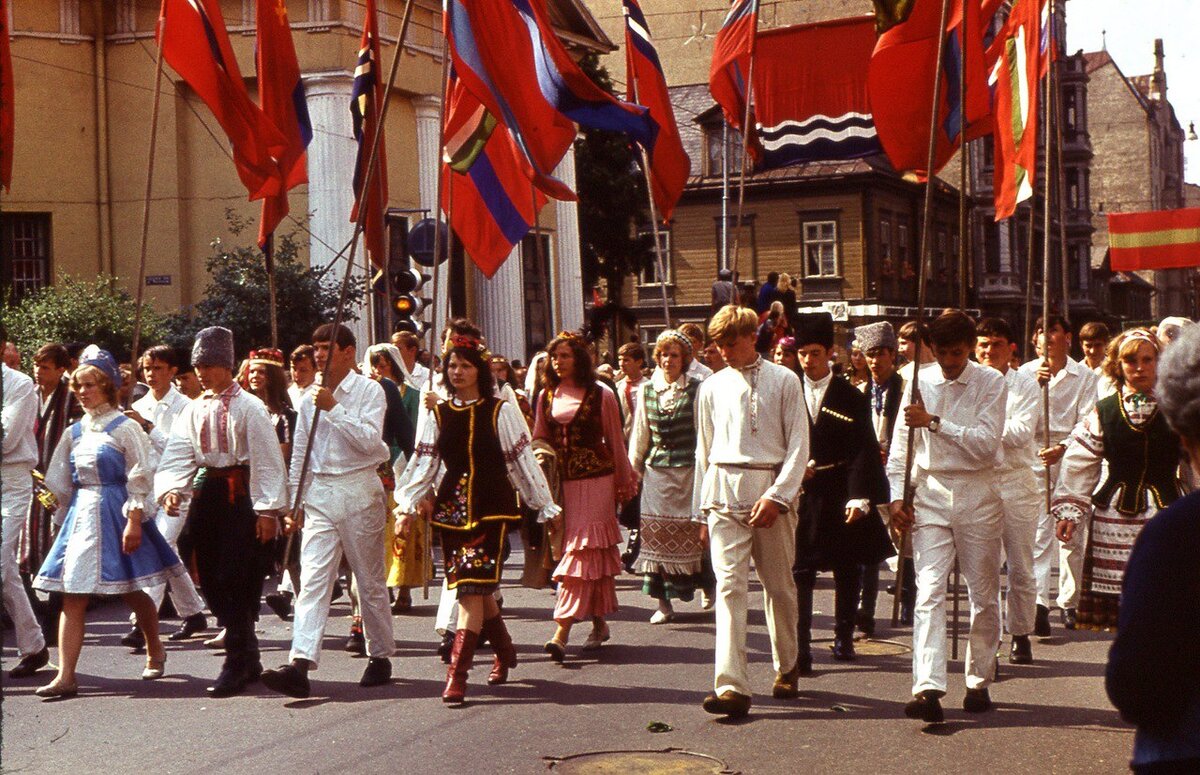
<point x="268" y="474"/>
<point x="980" y="440"/>
<point x="639" y="432"/>
<point x="523" y="470"/>
<point x="177" y="464"/>
<point x="786" y="489"/>
<point x="58" y="475"/>
<point x="139" y="466"/>
<point x="704" y="438"/>
<point x="423" y="471"/>
<point x="1079" y="472"/>
<point x="19" y="414"/>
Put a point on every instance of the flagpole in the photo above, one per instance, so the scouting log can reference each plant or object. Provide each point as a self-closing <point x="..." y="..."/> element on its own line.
<point x="963" y="225"/>
<point x="662" y="268"/>
<point x="437" y="204"/>
<point x="1061" y="179"/>
<point x="141" y="281"/>
<point x="352" y="246"/>
<point x="725" y="198"/>
<point x="908" y="493"/>
<point x="1029" y="243"/>
<point x="737" y="232"/>
<point x="1046" y="209"/>
<point x="269" y="257"/>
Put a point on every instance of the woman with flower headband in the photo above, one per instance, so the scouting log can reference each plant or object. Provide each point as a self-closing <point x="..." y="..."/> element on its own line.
<point x="580" y="418"/>
<point x="662" y="450"/>
<point x="267" y="379"/>
<point x="1127" y="430"/>
<point x="479" y="443"/>
<point x="786" y="354"/>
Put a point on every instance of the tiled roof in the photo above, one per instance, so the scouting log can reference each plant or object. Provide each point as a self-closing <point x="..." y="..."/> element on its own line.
<point x="1094" y="60"/>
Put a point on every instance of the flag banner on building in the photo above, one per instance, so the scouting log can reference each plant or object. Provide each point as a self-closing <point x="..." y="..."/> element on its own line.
<point x="899" y="80"/>
<point x="490" y="196"/>
<point x="1016" y="57"/>
<point x="730" y="69"/>
<point x="281" y="93"/>
<point x="7" y="96"/>
<point x="366" y="100"/>
<point x="196" y="45"/>
<point x="1161" y="239"/>
<point x="506" y="53"/>
<point x="810" y="92"/>
<point x="647" y="85"/>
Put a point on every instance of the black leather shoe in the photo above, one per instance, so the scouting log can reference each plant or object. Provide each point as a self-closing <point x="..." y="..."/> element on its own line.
<point x="289" y="680"/>
<point x="1021" y="652"/>
<point x="728" y="704"/>
<point x="253" y="673"/>
<point x="1041" y="622"/>
<point x="378" y="672"/>
<point x="804" y="661"/>
<point x="193" y="624"/>
<point x="356" y="643"/>
<point x="906" y="615"/>
<point x="926" y="706"/>
<point x="30" y="664"/>
<point x="865" y="622"/>
<point x="843" y="649"/>
<point x="134" y="639"/>
<point x="230" y="681"/>
<point x="446" y="646"/>
<point x="977" y="701"/>
<point x="281" y="604"/>
<point x="1069" y="617"/>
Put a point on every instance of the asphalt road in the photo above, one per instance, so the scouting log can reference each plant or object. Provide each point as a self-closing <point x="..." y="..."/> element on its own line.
<point x="1051" y="716"/>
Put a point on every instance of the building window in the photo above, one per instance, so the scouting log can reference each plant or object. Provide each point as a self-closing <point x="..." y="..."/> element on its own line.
<point x="318" y="10"/>
<point x="819" y="248"/>
<point x="904" y="253"/>
<point x="650" y="274"/>
<point x="68" y="17"/>
<point x="887" y="261"/>
<point x="940" y="256"/>
<point x="713" y="158"/>
<point x="537" y="309"/>
<point x="991" y="246"/>
<point x="126" y="16"/>
<point x="25" y="243"/>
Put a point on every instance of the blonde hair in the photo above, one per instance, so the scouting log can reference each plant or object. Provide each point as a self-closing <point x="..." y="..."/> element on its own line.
<point x="732" y="322"/>
<point x="102" y="381"/>
<point x="1124" y="345"/>
<point x="785" y="281"/>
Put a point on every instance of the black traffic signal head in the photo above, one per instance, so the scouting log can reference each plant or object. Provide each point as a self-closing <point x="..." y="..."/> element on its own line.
<point x="404" y="286"/>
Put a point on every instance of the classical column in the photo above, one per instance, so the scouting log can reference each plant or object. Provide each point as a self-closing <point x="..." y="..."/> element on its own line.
<point x="500" y="307"/>
<point x="566" y="268"/>
<point x="426" y="107"/>
<point x="331" y="156"/>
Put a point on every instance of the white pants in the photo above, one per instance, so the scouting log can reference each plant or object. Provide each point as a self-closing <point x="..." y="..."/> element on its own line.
<point x="1070" y="555"/>
<point x="447" y="613"/>
<point x="956" y="516"/>
<point x="343" y="514"/>
<point x="1022" y="504"/>
<point x="733" y="543"/>
<point x="16" y="495"/>
<point x="184" y="596"/>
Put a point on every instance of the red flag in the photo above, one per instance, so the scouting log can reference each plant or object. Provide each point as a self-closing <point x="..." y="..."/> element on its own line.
<point x="282" y="95"/>
<point x="647" y="85"/>
<point x="194" y="42"/>
<point x="365" y="104"/>
<point x="7" y="95"/>
<point x="901" y="93"/>
<point x="1163" y="239"/>
<point x="1018" y="54"/>
<point x="729" y="72"/>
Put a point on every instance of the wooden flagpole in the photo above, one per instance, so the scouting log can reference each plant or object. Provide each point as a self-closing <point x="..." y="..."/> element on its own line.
<point x="737" y="231"/>
<point x="437" y="205"/>
<point x="926" y="245"/>
<point x="141" y="281"/>
<point x="1046" y="220"/>
<point x="662" y="267"/>
<point x="269" y="257"/>
<point x="1061" y="178"/>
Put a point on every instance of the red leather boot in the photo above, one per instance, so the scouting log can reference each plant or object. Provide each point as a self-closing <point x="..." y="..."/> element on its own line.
<point x="460" y="664"/>
<point x="506" y="654"/>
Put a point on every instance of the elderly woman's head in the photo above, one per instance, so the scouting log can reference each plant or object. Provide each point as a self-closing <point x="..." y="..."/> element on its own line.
<point x="1179" y="389"/>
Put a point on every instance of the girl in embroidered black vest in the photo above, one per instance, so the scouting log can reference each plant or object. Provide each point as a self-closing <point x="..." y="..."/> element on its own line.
<point x="1143" y="453"/>
<point x="580" y="418"/>
<point x="662" y="450"/>
<point x="480" y="445"/>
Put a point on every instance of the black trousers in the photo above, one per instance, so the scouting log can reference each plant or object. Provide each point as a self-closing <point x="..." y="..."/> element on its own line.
<point x="846" y="580"/>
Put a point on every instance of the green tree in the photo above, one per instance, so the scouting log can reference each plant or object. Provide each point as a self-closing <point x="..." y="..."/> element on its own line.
<point x="236" y="296"/>
<point x="612" y="210"/>
<point x="76" y="310"/>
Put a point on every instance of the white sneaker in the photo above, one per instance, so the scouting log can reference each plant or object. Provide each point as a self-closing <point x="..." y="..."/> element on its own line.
<point x="661" y="617"/>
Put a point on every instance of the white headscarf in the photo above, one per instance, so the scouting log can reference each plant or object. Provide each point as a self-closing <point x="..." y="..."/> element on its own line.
<point x="392" y="352"/>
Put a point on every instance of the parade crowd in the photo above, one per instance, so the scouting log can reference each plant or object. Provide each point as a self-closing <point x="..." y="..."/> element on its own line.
<point x="754" y="441"/>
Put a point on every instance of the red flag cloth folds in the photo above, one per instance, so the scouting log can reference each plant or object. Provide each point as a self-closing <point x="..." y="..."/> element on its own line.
<point x="196" y="45"/>
<point x="365" y="103"/>
<point x="647" y="86"/>
<point x="901" y="92"/>
<point x="730" y="68"/>
<point x="1161" y="239"/>
<point x="1017" y="56"/>
<point x="7" y="95"/>
<point x="281" y="93"/>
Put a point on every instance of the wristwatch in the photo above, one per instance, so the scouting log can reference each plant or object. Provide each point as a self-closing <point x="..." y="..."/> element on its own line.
<point x="935" y="423"/>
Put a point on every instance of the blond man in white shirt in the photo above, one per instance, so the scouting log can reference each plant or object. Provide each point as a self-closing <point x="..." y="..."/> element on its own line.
<point x="751" y="451"/>
<point x="343" y="512"/>
<point x="956" y="511"/>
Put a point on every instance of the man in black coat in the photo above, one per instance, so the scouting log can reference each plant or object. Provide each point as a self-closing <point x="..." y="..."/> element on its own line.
<point x="838" y="528"/>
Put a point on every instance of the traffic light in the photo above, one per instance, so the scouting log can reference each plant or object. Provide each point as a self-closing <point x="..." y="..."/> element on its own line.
<point x="404" y="286"/>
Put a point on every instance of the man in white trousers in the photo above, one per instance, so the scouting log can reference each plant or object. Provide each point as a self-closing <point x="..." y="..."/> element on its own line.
<point x="956" y="511"/>
<point x="156" y="412"/>
<point x="343" y="511"/>
<point x="18" y="457"/>
<point x="751" y="451"/>
<point x="1021" y="498"/>
<point x="1072" y="397"/>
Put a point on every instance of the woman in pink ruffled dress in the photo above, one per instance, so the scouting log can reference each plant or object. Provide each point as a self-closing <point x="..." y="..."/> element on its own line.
<point x="580" y="418"/>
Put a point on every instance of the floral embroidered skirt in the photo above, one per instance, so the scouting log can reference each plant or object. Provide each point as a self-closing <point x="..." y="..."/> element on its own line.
<point x="473" y="559"/>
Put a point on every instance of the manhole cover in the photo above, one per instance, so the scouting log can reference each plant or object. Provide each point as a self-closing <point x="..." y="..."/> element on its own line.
<point x="875" y="648"/>
<point x="639" y="763"/>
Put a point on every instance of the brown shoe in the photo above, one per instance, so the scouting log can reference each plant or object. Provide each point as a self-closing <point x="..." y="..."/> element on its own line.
<point x="787" y="684"/>
<point x="727" y="703"/>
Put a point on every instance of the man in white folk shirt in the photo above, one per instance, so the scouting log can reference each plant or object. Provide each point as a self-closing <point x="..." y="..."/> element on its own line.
<point x="751" y="451"/>
<point x="156" y="412"/>
<point x="342" y="511"/>
<point x="18" y="457"/>
<point x="234" y="511"/>
<point x="303" y="366"/>
<point x="1073" y="395"/>
<point x="994" y="346"/>
<point x="956" y="511"/>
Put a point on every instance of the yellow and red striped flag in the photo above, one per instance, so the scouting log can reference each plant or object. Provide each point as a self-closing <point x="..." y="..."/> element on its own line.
<point x="1162" y="239"/>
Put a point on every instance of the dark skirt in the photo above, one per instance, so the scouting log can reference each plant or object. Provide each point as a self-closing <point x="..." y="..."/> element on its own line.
<point x="473" y="559"/>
